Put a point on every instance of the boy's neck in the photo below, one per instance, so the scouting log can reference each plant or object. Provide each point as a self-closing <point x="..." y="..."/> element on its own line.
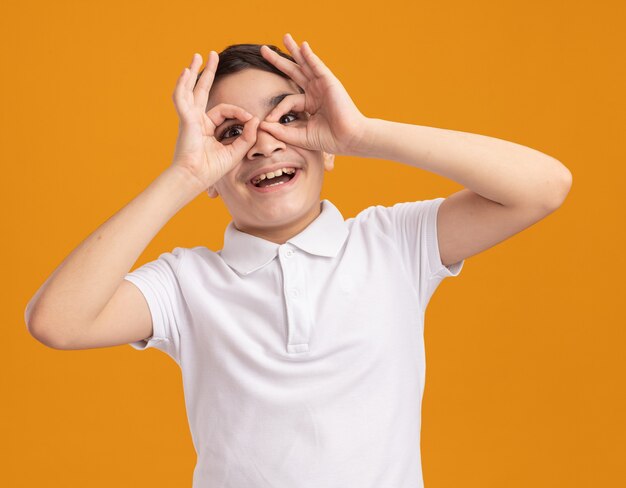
<point x="280" y="235"/>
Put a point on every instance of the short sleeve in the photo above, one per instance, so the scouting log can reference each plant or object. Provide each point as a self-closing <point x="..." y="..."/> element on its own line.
<point x="413" y="228"/>
<point x="159" y="283"/>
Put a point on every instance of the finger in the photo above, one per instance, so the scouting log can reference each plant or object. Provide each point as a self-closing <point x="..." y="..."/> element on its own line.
<point x="296" y="53"/>
<point x="294" y="103"/>
<point x="246" y="140"/>
<point x="180" y="103"/>
<point x="187" y="93"/>
<point x="316" y="64"/>
<point x="194" y="67"/>
<point x="288" y="67"/>
<point x="291" y="135"/>
<point x="218" y="114"/>
<point x="203" y="86"/>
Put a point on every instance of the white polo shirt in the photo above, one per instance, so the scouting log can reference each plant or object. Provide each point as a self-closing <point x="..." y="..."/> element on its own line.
<point x="303" y="363"/>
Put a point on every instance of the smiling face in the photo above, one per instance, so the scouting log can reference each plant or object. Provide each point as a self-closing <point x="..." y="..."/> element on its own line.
<point x="279" y="212"/>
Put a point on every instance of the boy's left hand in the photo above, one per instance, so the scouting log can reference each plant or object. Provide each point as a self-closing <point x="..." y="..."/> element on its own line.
<point x="335" y="125"/>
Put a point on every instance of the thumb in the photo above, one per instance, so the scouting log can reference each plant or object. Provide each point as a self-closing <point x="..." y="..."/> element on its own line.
<point x="290" y="135"/>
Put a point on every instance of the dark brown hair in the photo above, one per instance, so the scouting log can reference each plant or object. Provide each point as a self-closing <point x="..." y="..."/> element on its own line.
<point x="238" y="57"/>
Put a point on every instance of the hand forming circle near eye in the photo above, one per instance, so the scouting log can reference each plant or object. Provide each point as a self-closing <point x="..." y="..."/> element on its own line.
<point x="198" y="152"/>
<point x="335" y="125"/>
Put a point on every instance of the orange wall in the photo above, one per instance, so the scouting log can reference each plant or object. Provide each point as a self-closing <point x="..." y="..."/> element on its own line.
<point x="525" y="350"/>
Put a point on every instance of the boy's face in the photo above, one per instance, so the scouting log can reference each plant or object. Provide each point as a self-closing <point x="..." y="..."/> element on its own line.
<point x="273" y="213"/>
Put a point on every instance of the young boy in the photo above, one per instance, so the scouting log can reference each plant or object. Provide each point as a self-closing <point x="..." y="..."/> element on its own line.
<point x="301" y="341"/>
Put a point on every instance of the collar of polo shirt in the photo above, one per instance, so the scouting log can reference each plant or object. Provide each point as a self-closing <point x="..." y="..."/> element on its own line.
<point x="323" y="237"/>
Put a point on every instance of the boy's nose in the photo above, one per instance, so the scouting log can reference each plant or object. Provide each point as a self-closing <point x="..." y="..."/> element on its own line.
<point x="265" y="145"/>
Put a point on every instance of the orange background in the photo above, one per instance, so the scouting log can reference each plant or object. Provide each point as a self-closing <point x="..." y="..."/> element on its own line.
<point x="525" y="349"/>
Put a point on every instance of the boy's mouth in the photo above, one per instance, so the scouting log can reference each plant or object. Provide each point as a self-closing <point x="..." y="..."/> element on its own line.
<point x="278" y="174"/>
<point x="277" y="182"/>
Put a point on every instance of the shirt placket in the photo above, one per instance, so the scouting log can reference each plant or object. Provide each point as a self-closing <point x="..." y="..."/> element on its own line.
<point x="294" y="291"/>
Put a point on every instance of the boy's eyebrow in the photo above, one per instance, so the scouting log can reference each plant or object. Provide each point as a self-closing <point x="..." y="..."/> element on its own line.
<point x="270" y="102"/>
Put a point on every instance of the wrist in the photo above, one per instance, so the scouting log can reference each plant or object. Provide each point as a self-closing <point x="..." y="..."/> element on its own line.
<point x="186" y="184"/>
<point x="366" y="146"/>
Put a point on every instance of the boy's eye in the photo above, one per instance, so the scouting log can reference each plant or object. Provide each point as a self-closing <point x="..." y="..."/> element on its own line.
<point x="238" y="127"/>
<point x="227" y="134"/>
<point x="293" y="114"/>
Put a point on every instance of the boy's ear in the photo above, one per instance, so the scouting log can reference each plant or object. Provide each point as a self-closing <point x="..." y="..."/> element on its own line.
<point x="212" y="192"/>
<point x="329" y="161"/>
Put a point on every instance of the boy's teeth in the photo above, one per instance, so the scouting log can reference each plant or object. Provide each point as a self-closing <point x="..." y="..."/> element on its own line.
<point x="273" y="174"/>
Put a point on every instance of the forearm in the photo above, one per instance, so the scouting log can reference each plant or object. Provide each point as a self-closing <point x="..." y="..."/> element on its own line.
<point x="81" y="286"/>
<point x="499" y="170"/>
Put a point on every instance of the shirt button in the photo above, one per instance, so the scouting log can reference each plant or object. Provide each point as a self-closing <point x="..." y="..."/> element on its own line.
<point x="294" y="293"/>
<point x="289" y="253"/>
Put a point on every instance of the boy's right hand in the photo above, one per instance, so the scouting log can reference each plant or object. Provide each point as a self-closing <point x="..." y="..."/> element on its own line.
<point x="197" y="150"/>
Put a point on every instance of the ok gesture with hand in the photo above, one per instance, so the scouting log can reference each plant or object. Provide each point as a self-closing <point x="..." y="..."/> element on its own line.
<point x="335" y="125"/>
<point x="198" y="152"/>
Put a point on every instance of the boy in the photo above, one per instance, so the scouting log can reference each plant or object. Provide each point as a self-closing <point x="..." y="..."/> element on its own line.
<point x="301" y="341"/>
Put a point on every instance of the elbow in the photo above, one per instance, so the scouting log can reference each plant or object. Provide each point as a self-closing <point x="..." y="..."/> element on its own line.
<point x="46" y="338"/>
<point x="560" y="187"/>
<point x="29" y="321"/>
<point x="40" y="333"/>
<point x="566" y="186"/>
